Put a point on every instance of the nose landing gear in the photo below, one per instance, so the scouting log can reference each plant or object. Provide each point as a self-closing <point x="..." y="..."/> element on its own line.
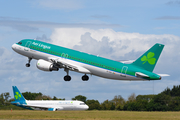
<point x="28" y="64"/>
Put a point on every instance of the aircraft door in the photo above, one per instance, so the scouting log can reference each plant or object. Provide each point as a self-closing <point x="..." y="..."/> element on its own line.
<point x="124" y="70"/>
<point x="27" y="46"/>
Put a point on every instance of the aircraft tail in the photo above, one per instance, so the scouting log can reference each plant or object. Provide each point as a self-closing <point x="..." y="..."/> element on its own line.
<point x="149" y="59"/>
<point x="17" y="94"/>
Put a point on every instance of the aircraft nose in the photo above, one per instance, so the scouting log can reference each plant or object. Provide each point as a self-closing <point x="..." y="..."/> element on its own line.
<point x="86" y="107"/>
<point x="14" y="47"/>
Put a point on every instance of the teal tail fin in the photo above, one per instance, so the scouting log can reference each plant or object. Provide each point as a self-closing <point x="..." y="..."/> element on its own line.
<point x="17" y="94"/>
<point x="149" y="59"/>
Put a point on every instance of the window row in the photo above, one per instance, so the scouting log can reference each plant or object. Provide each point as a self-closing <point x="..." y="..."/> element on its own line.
<point x="74" y="58"/>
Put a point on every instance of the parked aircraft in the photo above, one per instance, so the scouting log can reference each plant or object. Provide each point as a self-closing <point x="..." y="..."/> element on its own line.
<point x="50" y="105"/>
<point x="52" y="57"/>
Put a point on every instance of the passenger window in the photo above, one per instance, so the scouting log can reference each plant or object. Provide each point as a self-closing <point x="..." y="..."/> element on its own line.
<point x="82" y="103"/>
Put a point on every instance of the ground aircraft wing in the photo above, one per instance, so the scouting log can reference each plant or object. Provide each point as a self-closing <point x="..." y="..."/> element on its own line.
<point x="43" y="107"/>
<point x="63" y="63"/>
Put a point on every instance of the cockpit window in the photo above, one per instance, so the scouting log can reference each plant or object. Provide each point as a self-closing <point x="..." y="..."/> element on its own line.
<point x="20" y="42"/>
<point x="82" y="103"/>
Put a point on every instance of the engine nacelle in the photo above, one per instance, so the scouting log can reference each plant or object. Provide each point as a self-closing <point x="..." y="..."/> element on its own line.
<point x="46" y="66"/>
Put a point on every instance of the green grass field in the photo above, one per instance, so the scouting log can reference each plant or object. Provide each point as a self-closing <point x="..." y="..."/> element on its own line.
<point x="89" y="115"/>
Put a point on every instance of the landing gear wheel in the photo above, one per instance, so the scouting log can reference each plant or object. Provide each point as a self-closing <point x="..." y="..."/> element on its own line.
<point x="85" y="78"/>
<point x="67" y="78"/>
<point x="27" y="65"/>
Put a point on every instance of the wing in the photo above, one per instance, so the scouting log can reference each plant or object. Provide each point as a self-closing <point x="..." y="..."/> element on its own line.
<point x="63" y="63"/>
<point x="45" y="107"/>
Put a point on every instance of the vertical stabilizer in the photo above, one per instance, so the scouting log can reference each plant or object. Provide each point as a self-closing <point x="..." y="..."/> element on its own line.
<point x="149" y="59"/>
<point x="17" y="94"/>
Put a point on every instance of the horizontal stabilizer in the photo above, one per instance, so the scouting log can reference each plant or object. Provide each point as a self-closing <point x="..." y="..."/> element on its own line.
<point x="141" y="75"/>
<point x="127" y="61"/>
<point x="163" y="75"/>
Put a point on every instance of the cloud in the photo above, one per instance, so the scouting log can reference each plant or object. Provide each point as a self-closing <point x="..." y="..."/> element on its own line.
<point x="43" y="38"/>
<point x="60" y="4"/>
<point x="173" y="2"/>
<point x="114" y="43"/>
<point x="122" y="46"/>
<point x="34" y="26"/>
<point x="100" y="16"/>
<point x="168" y="18"/>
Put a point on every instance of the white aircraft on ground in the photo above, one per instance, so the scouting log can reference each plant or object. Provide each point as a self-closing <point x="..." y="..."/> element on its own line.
<point x="50" y="105"/>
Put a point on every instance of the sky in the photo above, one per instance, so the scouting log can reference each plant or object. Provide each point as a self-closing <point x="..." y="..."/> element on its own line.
<point x="114" y="29"/>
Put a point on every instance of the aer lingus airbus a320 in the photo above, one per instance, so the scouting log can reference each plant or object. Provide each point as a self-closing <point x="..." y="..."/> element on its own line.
<point x="52" y="57"/>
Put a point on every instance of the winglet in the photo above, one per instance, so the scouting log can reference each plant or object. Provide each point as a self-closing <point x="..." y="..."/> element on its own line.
<point x="149" y="59"/>
<point x="17" y="94"/>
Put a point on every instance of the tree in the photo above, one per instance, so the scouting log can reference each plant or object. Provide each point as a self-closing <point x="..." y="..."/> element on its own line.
<point x="119" y="102"/>
<point x="31" y="96"/>
<point x="55" y="98"/>
<point x="80" y="98"/>
<point x="145" y="97"/>
<point x="107" y="105"/>
<point x="93" y="104"/>
<point x="160" y="102"/>
<point x="2" y="101"/>
<point x="132" y="97"/>
<point x="6" y="96"/>
<point x="43" y="97"/>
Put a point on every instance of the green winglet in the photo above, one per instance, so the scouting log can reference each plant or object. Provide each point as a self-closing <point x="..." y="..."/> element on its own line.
<point x="149" y="59"/>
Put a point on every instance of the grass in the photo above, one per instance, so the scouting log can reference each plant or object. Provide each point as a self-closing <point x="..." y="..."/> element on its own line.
<point x="88" y="115"/>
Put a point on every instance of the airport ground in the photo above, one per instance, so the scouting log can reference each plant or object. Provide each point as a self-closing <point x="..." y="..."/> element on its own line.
<point x="88" y="115"/>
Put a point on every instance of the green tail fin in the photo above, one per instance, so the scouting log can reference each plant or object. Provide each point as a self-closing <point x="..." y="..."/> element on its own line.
<point x="149" y="59"/>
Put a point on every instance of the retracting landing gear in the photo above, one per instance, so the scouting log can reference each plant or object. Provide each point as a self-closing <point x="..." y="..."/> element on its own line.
<point x="85" y="78"/>
<point x="29" y="60"/>
<point x="67" y="77"/>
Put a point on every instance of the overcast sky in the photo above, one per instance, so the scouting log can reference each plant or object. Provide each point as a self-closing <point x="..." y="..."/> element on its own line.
<point x="114" y="29"/>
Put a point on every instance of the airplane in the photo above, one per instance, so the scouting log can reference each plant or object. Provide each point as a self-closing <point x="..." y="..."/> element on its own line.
<point x="49" y="105"/>
<point x="52" y="58"/>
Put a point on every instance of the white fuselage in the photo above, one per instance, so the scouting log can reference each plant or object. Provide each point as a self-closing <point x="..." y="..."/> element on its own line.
<point x="56" y="105"/>
<point x="25" y="51"/>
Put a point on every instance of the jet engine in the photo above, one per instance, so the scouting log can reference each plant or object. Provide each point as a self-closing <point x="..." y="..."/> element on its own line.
<point x="46" y="66"/>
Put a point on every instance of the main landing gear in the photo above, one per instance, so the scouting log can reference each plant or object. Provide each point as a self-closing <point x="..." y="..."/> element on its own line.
<point x="28" y="64"/>
<point x="67" y="77"/>
<point x="85" y="78"/>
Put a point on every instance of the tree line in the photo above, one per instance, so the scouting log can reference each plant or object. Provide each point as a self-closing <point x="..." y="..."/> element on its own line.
<point x="167" y="100"/>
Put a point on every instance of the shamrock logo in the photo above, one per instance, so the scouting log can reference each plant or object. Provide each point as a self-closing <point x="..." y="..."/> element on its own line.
<point x="149" y="58"/>
<point x="17" y="96"/>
